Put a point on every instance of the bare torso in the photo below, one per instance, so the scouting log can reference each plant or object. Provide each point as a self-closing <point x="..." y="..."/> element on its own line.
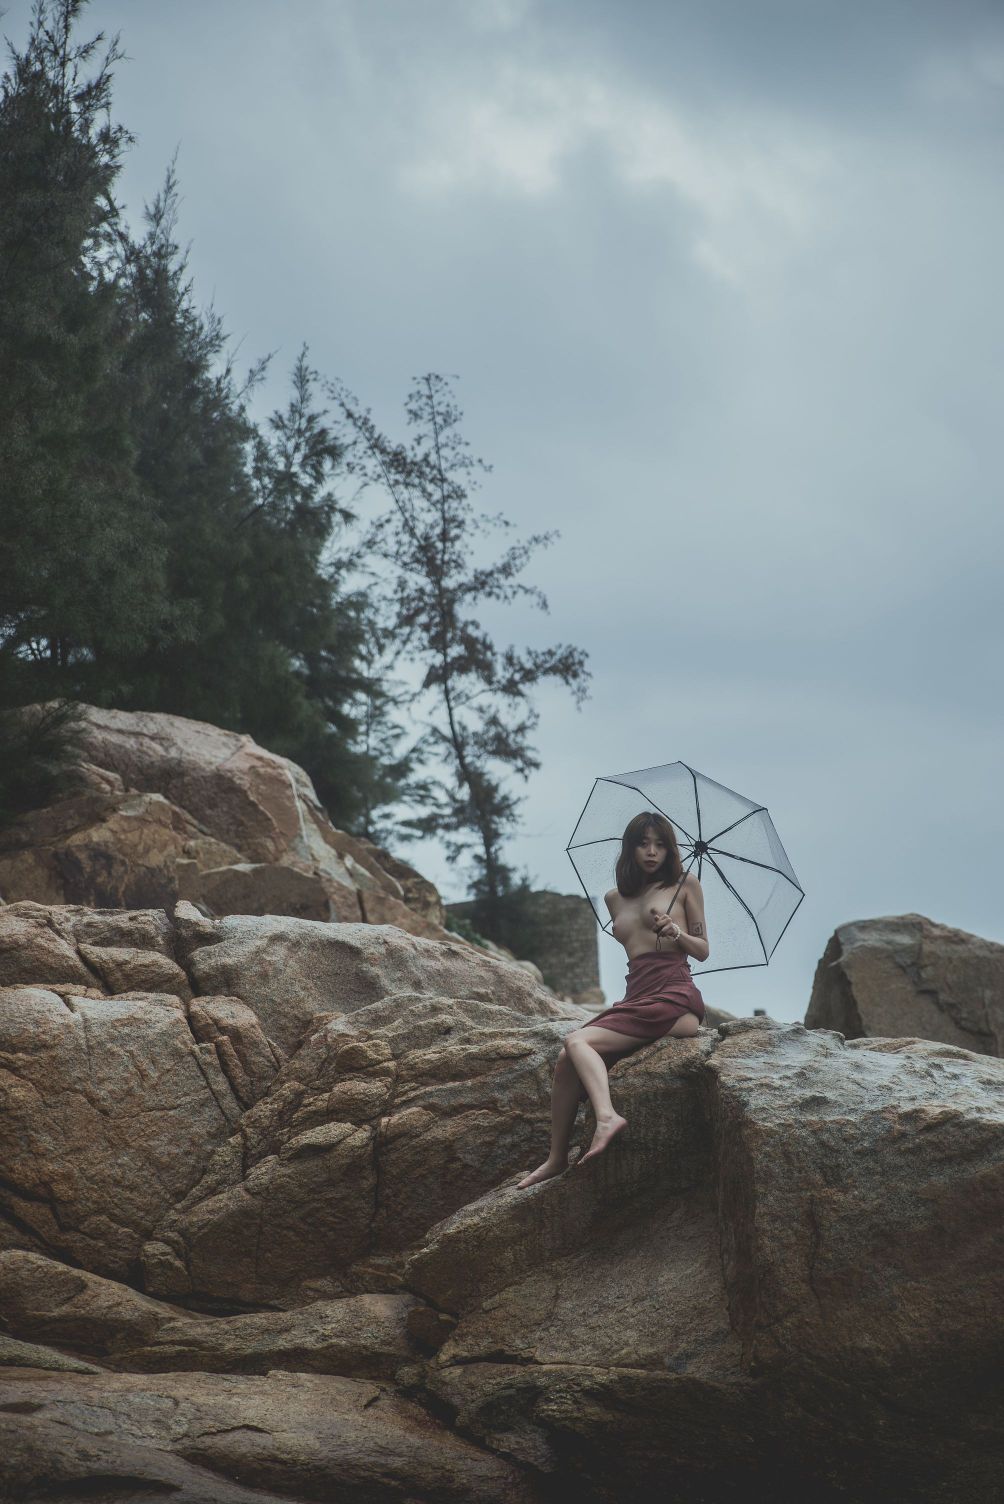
<point x="633" y="922"/>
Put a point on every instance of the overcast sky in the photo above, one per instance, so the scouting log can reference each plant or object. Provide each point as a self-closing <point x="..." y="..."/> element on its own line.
<point x="721" y="283"/>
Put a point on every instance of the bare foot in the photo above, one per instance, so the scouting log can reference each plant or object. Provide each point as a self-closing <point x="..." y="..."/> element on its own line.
<point x="605" y="1131"/>
<point x="544" y="1172"/>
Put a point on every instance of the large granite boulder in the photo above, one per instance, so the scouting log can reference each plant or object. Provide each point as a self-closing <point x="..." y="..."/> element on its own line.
<point x="114" y="849"/>
<point x="161" y="807"/>
<point x="217" y="1439"/>
<point x="364" y="1336"/>
<point x="785" y="1272"/>
<point x="907" y="975"/>
<point x="109" y="1113"/>
<point x="315" y="1277"/>
<point x="289" y="971"/>
<point x="383" y="1122"/>
<point x="127" y="1063"/>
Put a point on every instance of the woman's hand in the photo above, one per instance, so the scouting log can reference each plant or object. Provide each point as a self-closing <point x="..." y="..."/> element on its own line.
<point x="665" y="928"/>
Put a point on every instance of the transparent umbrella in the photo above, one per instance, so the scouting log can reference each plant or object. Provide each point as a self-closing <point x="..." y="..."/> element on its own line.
<point x="750" y="889"/>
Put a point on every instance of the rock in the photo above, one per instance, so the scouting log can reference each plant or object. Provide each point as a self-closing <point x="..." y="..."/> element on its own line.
<point x="109" y="1112"/>
<point x="497" y="1237"/>
<point x="378" y="1126"/>
<point x="291" y="970"/>
<point x="129" y="929"/>
<point x="382" y="908"/>
<point x="32" y="951"/>
<point x="421" y="896"/>
<point x="249" y="1059"/>
<point x="799" y="1280"/>
<point x="300" y="1436"/>
<point x="592" y="998"/>
<point x="907" y="976"/>
<point x="89" y="778"/>
<point x="360" y="1336"/>
<point x="268" y="888"/>
<point x="261" y="804"/>
<point x="192" y="928"/>
<point x="14" y="1354"/>
<point x="114" y="850"/>
<point x="66" y="946"/>
<point x="128" y="969"/>
<point x="363" y="1336"/>
<point x="164" y="809"/>
<point x="362" y="859"/>
<point x="787" y="1270"/>
<point x="45" y="1300"/>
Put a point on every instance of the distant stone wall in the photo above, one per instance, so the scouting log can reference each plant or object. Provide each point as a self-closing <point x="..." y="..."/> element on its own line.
<point x="562" y="942"/>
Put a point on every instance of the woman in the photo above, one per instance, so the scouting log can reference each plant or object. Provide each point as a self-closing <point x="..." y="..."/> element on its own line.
<point x="659" y="930"/>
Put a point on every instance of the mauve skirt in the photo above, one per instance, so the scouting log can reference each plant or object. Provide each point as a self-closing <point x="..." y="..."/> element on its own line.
<point x="660" y="990"/>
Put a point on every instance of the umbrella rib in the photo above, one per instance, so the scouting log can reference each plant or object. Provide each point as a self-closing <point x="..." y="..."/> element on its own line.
<point x="735" y="857"/>
<point x="602" y="923"/>
<point x="761" y="809"/>
<point x="745" y="905"/>
<point x="702" y="971"/>
<point x="648" y="798"/>
<point x="660" y="808"/>
<point x="606" y="924"/>
<point x="697" y="799"/>
<point x="790" y="917"/>
<point x="582" y="812"/>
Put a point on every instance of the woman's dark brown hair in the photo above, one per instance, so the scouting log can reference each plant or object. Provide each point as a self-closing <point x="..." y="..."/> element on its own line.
<point x="630" y="877"/>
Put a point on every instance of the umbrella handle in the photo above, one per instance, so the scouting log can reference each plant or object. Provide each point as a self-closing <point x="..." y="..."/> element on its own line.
<point x="658" y="938"/>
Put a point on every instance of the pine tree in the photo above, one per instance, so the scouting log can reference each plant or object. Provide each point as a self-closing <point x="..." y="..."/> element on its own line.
<point x="267" y="639"/>
<point x="159" y="549"/>
<point x="81" y="551"/>
<point x="480" y="716"/>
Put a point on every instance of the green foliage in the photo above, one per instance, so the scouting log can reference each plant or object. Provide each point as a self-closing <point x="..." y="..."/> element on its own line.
<point x="159" y="550"/>
<point x="459" y="924"/>
<point x="37" y="751"/>
<point x="266" y="640"/>
<point x="511" y="918"/>
<point x="477" y="697"/>
<point x="70" y="493"/>
<point x="162" y="550"/>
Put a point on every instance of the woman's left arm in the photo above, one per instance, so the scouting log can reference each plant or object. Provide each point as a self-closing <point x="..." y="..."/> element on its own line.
<point x="693" y="941"/>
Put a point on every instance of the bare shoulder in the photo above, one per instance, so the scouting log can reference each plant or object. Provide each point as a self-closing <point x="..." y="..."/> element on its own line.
<point x="612" y="899"/>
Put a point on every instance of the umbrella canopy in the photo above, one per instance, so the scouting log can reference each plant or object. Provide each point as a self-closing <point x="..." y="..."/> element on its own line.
<point x="750" y="889"/>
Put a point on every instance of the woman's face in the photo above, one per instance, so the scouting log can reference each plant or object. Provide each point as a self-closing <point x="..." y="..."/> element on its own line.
<point x="651" y="851"/>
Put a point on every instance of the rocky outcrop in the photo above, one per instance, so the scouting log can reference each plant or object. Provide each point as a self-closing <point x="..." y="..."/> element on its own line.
<point x="907" y="976"/>
<point x="110" y="1113"/>
<point x="365" y="1336"/>
<point x="164" y="808"/>
<point x="383" y="1122"/>
<point x="263" y="1237"/>
<point x="115" y="1102"/>
<point x="213" y="1439"/>
<point x="784" y="1273"/>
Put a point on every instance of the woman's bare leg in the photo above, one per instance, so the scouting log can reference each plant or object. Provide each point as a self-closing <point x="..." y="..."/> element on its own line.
<point x="582" y="1046"/>
<point x="565" y="1090"/>
<point x="581" y="1064"/>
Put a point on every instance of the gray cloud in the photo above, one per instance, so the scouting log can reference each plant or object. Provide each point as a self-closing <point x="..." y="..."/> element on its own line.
<point x="720" y="283"/>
